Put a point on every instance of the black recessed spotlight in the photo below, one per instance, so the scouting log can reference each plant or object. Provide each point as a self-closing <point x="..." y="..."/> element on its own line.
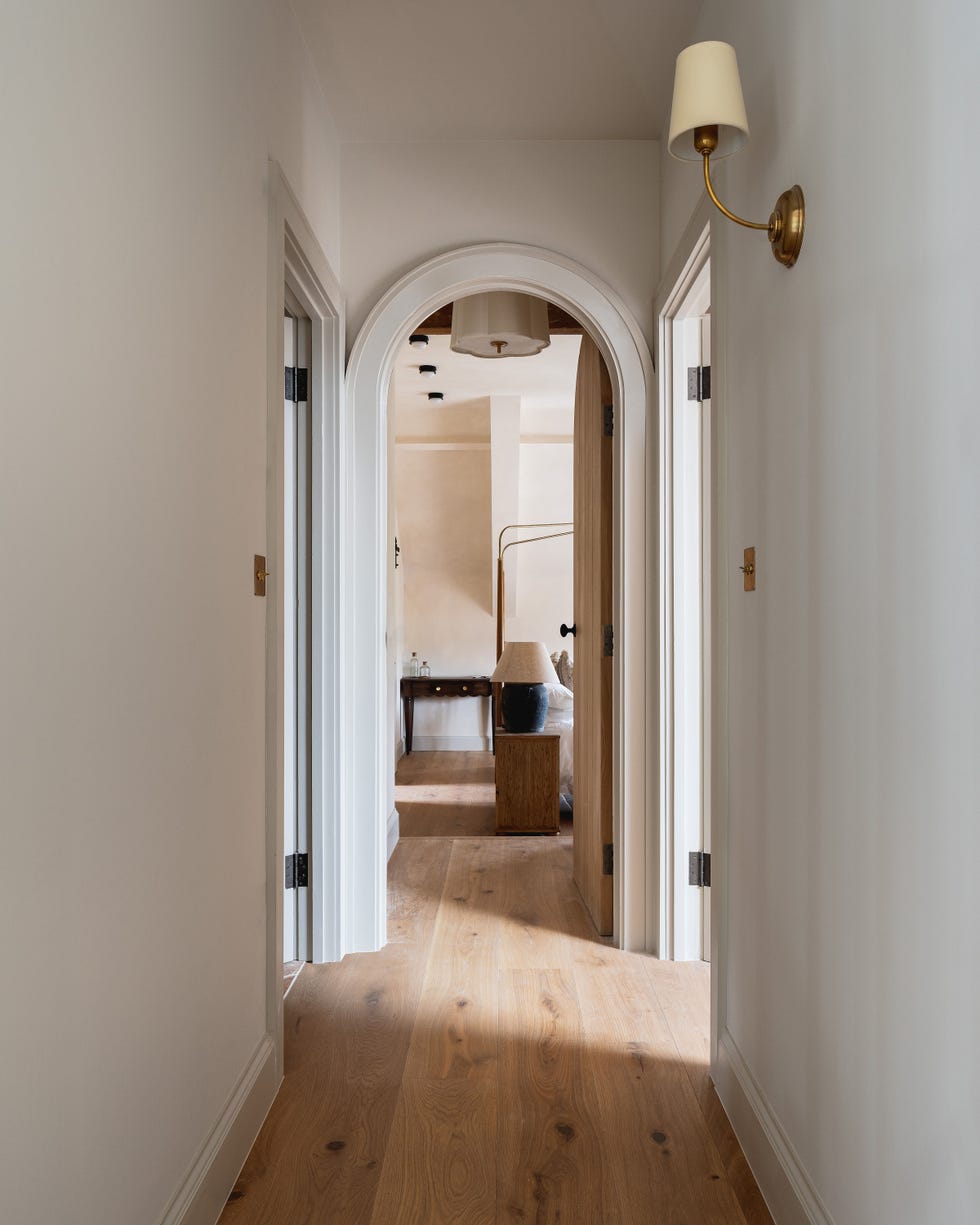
<point x="418" y="340"/>
<point x="436" y="396"/>
<point x="427" y="372"/>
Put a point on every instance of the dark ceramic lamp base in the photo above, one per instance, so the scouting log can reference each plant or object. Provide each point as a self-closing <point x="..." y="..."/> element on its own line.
<point x="523" y="708"/>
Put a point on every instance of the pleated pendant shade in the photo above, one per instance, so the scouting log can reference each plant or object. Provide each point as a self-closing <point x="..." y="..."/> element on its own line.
<point x="500" y="324"/>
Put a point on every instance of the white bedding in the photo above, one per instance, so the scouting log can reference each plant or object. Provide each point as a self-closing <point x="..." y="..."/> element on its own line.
<point x="560" y="719"/>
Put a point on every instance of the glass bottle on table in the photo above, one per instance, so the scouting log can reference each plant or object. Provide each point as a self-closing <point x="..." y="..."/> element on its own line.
<point x="426" y="670"/>
<point x="413" y="665"/>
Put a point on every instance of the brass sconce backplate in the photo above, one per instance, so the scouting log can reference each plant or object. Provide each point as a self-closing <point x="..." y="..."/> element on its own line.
<point x="786" y="226"/>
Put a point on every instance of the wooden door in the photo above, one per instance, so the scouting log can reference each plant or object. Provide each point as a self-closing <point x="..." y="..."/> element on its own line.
<point x="592" y="823"/>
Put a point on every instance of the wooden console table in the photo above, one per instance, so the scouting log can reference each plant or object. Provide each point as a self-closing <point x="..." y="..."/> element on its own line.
<point x="444" y="687"/>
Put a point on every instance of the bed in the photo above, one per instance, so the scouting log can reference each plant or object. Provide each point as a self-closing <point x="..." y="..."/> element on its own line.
<point x="561" y="719"/>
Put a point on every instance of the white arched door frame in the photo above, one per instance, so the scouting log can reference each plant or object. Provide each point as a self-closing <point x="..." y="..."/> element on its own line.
<point x="636" y="817"/>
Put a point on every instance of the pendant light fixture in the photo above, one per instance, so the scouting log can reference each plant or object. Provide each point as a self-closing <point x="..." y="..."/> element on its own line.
<point x="500" y="324"/>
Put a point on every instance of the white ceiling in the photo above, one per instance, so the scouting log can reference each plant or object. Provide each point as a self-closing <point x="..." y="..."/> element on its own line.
<point x="545" y="383"/>
<point x="497" y="70"/>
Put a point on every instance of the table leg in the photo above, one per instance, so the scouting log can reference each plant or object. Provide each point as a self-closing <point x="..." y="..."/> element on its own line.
<point x="408" y="702"/>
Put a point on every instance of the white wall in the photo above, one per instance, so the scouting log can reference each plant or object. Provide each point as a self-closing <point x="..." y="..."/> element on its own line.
<point x="544" y="569"/>
<point x="853" y="670"/>
<point x="595" y="201"/>
<point x="132" y="496"/>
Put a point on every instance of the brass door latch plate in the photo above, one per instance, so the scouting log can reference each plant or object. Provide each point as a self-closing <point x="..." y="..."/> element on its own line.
<point x="260" y="574"/>
<point x="748" y="570"/>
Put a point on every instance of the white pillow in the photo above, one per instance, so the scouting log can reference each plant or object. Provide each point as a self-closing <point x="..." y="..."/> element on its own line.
<point x="560" y="698"/>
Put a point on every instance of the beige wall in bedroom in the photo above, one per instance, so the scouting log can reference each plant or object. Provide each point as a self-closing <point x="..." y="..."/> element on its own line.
<point x="444" y="517"/>
<point x="447" y="560"/>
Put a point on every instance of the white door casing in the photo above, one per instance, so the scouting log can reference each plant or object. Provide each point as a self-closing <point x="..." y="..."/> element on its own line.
<point x="688" y="686"/>
<point x="297" y="629"/>
<point x="685" y="639"/>
<point x="499" y="266"/>
<point x="297" y="263"/>
<point x="290" y="910"/>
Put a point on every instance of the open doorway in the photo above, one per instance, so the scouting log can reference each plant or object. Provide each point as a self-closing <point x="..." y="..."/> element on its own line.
<point x="554" y="278"/>
<point x="685" y="482"/>
<point x="503" y="468"/>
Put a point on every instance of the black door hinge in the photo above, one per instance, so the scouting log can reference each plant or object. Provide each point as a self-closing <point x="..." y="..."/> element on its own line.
<point x="297" y="870"/>
<point x="699" y="383"/>
<point x="297" y="384"/>
<point x="608" y="642"/>
<point x="699" y="868"/>
<point x="607" y="859"/>
<point x="608" y="420"/>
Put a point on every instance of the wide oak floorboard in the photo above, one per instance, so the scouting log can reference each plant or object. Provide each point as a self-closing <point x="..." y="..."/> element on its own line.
<point x="497" y="1063"/>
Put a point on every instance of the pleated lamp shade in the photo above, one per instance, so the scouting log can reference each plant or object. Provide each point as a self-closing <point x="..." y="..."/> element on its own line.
<point x="525" y="663"/>
<point x="500" y="324"/>
<point x="707" y="92"/>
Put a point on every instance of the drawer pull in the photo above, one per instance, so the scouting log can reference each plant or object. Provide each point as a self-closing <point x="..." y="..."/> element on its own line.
<point x="464" y="688"/>
<point x="438" y="688"/>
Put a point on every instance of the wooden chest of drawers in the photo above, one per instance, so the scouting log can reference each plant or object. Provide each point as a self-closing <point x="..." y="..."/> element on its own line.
<point x="527" y="783"/>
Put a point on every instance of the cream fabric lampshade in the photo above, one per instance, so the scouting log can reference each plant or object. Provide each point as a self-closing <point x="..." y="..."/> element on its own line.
<point x="525" y="663"/>
<point x="707" y="91"/>
<point x="517" y="323"/>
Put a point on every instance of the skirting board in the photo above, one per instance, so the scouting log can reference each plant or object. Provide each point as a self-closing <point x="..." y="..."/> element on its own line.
<point x="784" y="1183"/>
<point x="393" y="831"/>
<point x="451" y="744"/>
<point x="205" y="1190"/>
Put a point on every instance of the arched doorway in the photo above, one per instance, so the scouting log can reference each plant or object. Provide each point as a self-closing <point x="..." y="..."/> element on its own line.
<point x="362" y="671"/>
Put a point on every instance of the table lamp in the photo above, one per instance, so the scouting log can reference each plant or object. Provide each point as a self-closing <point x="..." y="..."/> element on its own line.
<point x="524" y="668"/>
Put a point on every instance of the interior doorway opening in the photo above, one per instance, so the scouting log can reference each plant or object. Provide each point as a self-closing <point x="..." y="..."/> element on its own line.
<point x="485" y="458"/>
<point x="635" y="766"/>
<point x="686" y="492"/>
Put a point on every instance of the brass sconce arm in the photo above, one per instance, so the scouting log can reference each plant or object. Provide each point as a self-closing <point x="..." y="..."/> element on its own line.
<point x="785" y="224"/>
<point x="749" y="225"/>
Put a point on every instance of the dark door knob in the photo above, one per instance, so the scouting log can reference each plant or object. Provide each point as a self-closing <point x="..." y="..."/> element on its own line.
<point x="566" y="630"/>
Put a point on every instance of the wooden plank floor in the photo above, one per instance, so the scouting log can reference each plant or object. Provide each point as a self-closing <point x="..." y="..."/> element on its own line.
<point x="449" y="795"/>
<point x="445" y="795"/>
<point x="496" y="1063"/>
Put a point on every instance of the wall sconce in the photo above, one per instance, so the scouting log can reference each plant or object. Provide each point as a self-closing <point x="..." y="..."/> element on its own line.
<point x="418" y="340"/>
<point x="436" y="397"/>
<point x="707" y="117"/>
<point x="427" y="371"/>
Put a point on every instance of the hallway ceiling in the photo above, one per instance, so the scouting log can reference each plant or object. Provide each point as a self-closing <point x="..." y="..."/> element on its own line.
<point x="510" y="70"/>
